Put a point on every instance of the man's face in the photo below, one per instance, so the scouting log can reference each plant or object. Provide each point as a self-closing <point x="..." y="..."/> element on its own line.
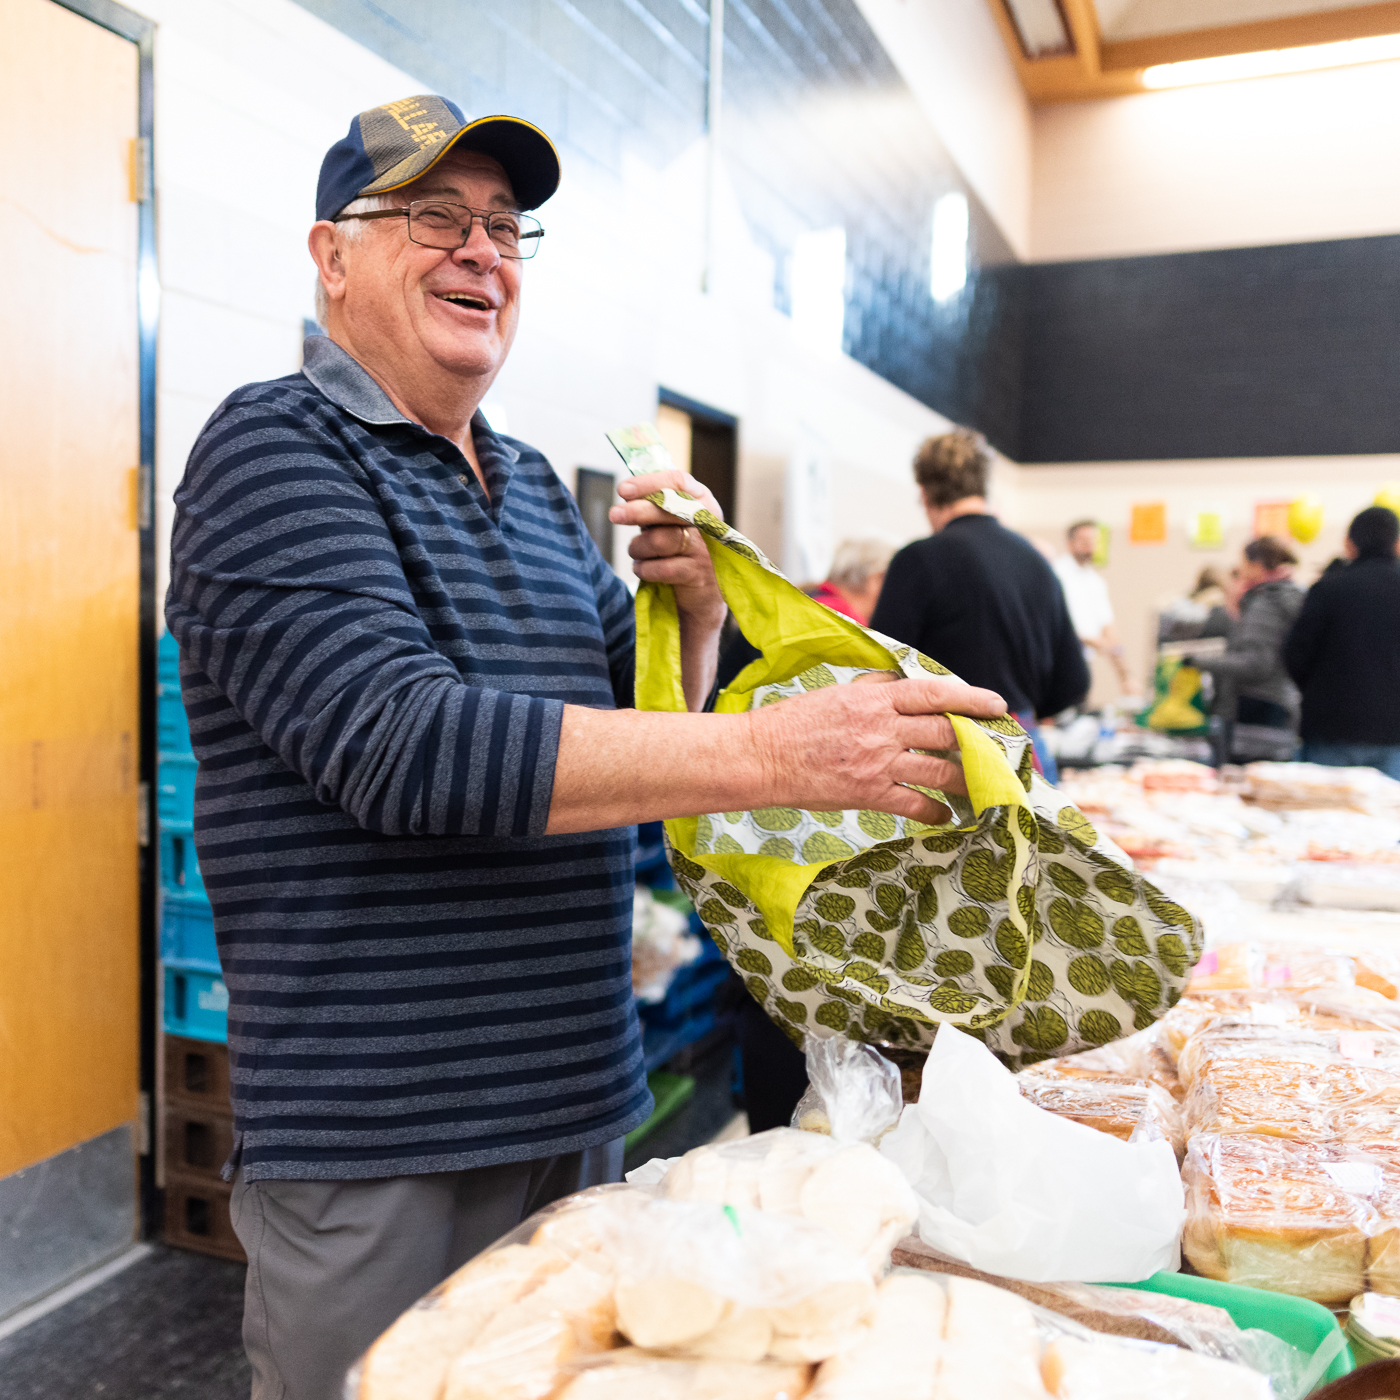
<point x="1082" y="542"/>
<point x="431" y="306"/>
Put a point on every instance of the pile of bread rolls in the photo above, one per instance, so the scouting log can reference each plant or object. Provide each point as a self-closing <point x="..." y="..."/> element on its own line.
<point x="755" y="1270"/>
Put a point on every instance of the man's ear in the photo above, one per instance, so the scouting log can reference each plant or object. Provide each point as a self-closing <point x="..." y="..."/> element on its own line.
<point x="324" y="247"/>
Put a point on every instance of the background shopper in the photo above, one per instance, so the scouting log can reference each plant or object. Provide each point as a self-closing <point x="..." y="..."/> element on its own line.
<point x="1344" y="652"/>
<point x="1086" y="596"/>
<point x="857" y="574"/>
<point x="1253" y="689"/>
<point x="980" y="598"/>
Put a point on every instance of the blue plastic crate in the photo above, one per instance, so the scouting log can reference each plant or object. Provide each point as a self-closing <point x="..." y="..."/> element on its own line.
<point x="196" y="1003"/>
<point x="172" y="728"/>
<point x="187" y="932"/>
<point x="175" y="792"/>
<point x="179" y="866"/>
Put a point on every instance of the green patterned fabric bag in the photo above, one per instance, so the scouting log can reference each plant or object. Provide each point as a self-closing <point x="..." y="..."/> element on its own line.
<point x="1017" y="921"/>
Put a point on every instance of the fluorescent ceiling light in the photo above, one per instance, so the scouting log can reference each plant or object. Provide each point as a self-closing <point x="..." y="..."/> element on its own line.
<point x="818" y="284"/>
<point x="1040" y="27"/>
<point x="948" y="251"/>
<point x="1271" y="62"/>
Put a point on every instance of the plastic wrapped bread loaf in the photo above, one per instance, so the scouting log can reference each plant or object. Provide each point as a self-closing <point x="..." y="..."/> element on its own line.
<point x="1120" y="1109"/>
<point x="1273" y="1213"/>
<point x="1140" y="1056"/>
<point x="1080" y="1370"/>
<point x="849" y="1190"/>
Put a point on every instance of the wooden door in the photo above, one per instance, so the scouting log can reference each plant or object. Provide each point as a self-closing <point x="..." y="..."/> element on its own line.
<point x="69" y="583"/>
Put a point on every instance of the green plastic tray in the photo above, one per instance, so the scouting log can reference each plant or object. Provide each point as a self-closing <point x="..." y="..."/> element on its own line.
<point x="1298" y="1321"/>
<point x="671" y="1093"/>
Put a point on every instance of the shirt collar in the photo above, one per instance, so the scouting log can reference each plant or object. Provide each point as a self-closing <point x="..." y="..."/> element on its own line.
<point x="346" y="382"/>
<point x="349" y="385"/>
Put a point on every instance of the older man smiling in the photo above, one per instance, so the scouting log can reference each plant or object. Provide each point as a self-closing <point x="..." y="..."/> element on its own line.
<point x="408" y="673"/>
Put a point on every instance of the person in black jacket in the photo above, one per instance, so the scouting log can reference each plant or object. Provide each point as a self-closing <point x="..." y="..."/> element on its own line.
<point x="1344" y="652"/>
<point x="979" y="598"/>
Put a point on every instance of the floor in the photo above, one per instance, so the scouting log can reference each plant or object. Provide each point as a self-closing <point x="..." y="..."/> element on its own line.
<point x="167" y="1327"/>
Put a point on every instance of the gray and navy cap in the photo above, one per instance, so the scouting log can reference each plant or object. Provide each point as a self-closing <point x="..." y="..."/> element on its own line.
<point x="391" y="146"/>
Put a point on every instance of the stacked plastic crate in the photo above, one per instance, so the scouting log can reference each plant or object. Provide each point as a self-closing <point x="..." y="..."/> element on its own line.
<point x="197" y="1123"/>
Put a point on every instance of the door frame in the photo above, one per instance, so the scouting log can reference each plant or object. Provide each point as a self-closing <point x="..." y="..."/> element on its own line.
<point x="141" y="31"/>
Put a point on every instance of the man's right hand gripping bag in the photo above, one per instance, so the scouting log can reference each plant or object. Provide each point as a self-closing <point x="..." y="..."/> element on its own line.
<point x="1017" y="921"/>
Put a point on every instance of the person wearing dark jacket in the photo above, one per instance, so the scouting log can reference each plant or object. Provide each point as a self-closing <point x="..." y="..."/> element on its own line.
<point x="1344" y="652"/>
<point x="1252" y="689"/>
<point x="978" y="597"/>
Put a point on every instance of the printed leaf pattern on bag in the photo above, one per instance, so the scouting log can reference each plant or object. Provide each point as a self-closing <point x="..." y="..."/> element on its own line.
<point x="896" y="936"/>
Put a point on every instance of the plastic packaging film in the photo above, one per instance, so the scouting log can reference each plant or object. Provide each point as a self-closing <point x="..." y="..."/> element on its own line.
<point x="847" y="1189"/>
<point x="854" y="1094"/>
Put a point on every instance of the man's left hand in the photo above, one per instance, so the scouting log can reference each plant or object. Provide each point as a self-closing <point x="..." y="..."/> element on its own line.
<point x="668" y="550"/>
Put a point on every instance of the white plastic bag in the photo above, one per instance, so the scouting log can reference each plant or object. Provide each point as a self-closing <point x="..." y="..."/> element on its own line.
<point x="1013" y="1190"/>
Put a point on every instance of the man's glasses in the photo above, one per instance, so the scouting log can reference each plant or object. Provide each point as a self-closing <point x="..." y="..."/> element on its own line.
<point x="436" y="224"/>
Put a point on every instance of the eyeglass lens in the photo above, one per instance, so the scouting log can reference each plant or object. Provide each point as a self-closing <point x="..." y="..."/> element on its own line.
<point x="438" y="225"/>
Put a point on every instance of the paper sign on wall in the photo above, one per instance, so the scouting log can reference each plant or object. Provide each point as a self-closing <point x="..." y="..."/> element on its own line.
<point x="1148" y="522"/>
<point x="1100" y="559"/>
<point x="1206" y="529"/>
<point x="1271" y="518"/>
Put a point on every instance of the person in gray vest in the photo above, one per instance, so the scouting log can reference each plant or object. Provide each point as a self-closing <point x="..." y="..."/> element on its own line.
<point x="408" y="673"/>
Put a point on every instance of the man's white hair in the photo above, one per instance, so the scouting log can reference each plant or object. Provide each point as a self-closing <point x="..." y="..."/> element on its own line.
<point x="351" y="233"/>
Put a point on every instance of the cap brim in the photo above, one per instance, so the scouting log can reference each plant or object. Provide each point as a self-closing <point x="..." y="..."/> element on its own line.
<point x="523" y="151"/>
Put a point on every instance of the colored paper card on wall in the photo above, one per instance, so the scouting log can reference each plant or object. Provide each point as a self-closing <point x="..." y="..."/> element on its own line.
<point x="1271" y="518"/>
<point x="1148" y="523"/>
<point x="1101" y="548"/>
<point x="1206" y="529"/>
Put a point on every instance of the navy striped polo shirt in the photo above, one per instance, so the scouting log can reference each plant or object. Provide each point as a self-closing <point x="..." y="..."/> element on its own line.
<point x="375" y="658"/>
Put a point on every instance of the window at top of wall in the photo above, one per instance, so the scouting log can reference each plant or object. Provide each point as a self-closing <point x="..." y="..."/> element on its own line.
<point x="948" y="247"/>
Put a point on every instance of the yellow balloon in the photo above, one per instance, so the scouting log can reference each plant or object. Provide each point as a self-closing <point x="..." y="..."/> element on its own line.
<point x="1389" y="495"/>
<point x="1305" y="519"/>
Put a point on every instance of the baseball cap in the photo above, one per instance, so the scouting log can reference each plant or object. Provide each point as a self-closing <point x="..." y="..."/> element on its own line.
<point x="390" y="146"/>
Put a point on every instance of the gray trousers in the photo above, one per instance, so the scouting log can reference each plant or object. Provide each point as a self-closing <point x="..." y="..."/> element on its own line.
<point x="332" y="1263"/>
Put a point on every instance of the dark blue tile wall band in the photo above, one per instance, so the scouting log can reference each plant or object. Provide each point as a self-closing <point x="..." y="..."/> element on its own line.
<point x="1249" y="352"/>
<point x="1284" y="351"/>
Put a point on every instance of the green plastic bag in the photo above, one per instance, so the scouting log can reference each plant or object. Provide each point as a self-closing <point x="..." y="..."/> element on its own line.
<point x="1016" y="921"/>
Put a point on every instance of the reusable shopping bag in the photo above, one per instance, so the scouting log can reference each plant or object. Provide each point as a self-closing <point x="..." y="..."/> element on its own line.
<point x="1016" y="921"/>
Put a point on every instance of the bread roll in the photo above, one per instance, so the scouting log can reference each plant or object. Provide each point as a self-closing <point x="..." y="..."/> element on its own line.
<point x="895" y="1356"/>
<point x="1265" y="1212"/>
<point x="635" y="1375"/>
<point x="578" y="1294"/>
<point x="990" y="1348"/>
<point x="525" y="1364"/>
<point x="743" y="1334"/>
<point x="410" y="1360"/>
<point x="667" y="1312"/>
<point x="1079" y="1370"/>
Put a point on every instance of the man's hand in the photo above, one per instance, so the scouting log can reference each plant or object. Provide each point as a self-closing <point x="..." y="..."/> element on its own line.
<point x="849" y="746"/>
<point x="669" y="551"/>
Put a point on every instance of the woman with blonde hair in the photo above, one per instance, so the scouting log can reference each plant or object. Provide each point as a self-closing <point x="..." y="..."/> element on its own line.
<point x="855" y="578"/>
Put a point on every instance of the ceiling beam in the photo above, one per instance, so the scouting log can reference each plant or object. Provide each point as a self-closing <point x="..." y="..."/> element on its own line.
<point x="1327" y="27"/>
<point x="1099" y="69"/>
